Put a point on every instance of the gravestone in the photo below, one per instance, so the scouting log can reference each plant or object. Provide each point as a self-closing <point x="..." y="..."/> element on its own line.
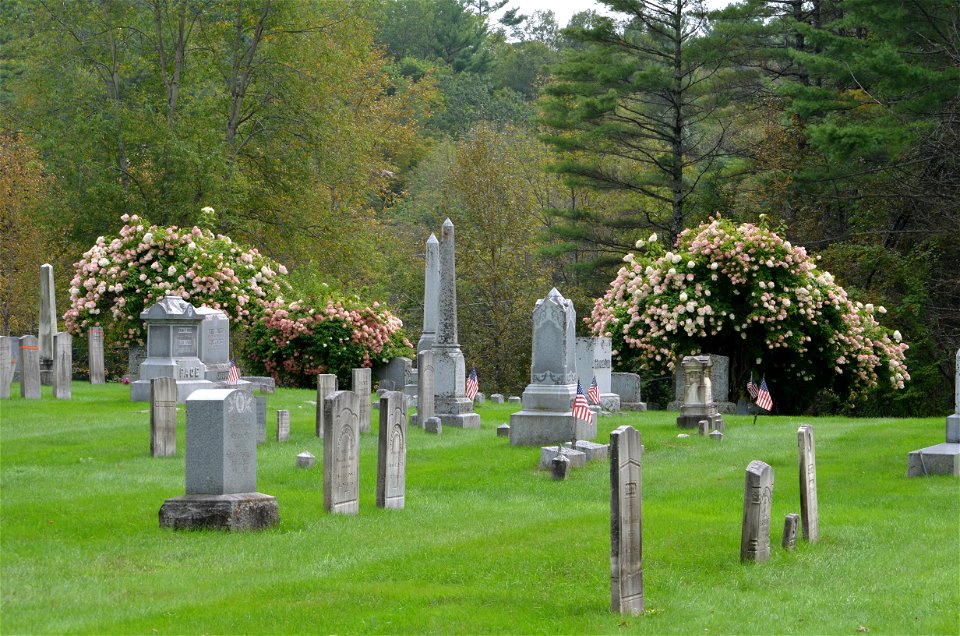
<point x="306" y="460"/>
<point x="341" y="453"/>
<point x="95" y="355"/>
<point x="626" y="543"/>
<point x="63" y="366"/>
<point x="214" y="344"/>
<point x="326" y="385"/>
<point x="425" y="387"/>
<point x="809" y="513"/>
<point x="431" y="295"/>
<point x="514" y="399"/>
<point x="719" y="381"/>
<point x="30" y="371"/>
<point x="16" y="356"/>
<point x="8" y="362"/>
<point x="433" y="425"/>
<point x="496" y="398"/>
<point x="480" y="398"/>
<point x="503" y="430"/>
<point x="594" y="360"/>
<point x="136" y="355"/>
<point x="221" y="467"/>
<point x="262" y="383"/>
<point x="362" y="386"/>
<point x="283" y="425"/>
<point x="163" y="417"/>
<point x="560" y="467"/>
<point x="592" y="450"/>
<point x="261" y="406"/>
<point x="790" y="523"/>
<point x="716" y="436"/>
<point x="48" y="323"/>
<point x="173" y="347"/>
<point x="393" y="375"/>
<point x="941" y="459"/>
<point x="451" y="403"/>
<point x="392" y="451"/>
<point x="577" y="458"/>
<point x="546" y="415"/>
<point x="757" y="499"/>
<point x="627" y="387"/>
<point x="698" y="401"/>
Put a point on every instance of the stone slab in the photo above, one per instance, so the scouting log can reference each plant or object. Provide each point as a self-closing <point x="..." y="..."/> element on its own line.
<point x="95" y="355"/>
<point x="362" y="385"/>
<point x="627" y="386"/>
<point x="221" y="443"/>
<point x="513" y="399"/>
<point x="63" y="366"/>
<point x="503" y="430"/>
<point x="262" y="383"/>
<point x="559" y="467"/>
<point x="626" y="527"/>
<point x="496" y="398"/>
<point x="392" y="451"/>
<point x="940" y="459"/>
<point x="283" y="425"/>
<point x="326" y="385"/>
<point x="261" y="405"/>
<point x="807" y="461"/>
<point x="539" y="428"/>
<point x="790" y="525"/>
<point x="341" y="453"/>
<point x="433" y="425"/>
<point x="306" y="460"/>
<point x="163" y="417"/>
<point x="953" y="429"/>
<point x="757" y="502"/>
<point x="593" y="451"/>
<point x="30" y="371"/>
<point x="8" y="364"/>
<point x="425" y="386"/>
<point x="578" y="459"/>
<point x="233" y="512"/>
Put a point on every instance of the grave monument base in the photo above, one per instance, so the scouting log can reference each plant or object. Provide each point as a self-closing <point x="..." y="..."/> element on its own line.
<point x="140" y="390"/>
<point x="693" y="421"/>
<point x="633" y="406"/>
<point x="539" y="428"/>
<point x="610" y="402"/>
<point x="722" y="407"/>
<point x="237" y="512"/>
<point x="940" y="459"/>
<point x="456" y="412"/>
<point x="46" y="372"/>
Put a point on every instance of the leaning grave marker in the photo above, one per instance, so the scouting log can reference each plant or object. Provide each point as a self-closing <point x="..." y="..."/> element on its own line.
<point x="807" y="457"/>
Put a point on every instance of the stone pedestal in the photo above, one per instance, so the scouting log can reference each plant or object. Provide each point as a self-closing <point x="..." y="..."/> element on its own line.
<point x="720" y="384"/>
<point x="698" y="401"/>
<point x="237" y="512"/>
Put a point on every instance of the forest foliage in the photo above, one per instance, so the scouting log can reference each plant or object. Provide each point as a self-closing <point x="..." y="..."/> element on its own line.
<point x="335" y="136"/>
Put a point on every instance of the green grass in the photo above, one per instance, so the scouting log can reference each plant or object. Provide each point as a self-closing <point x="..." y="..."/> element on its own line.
<point x="487" y="543"/>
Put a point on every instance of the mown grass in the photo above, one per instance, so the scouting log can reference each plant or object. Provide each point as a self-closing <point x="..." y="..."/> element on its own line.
<point x="486" y="544"/>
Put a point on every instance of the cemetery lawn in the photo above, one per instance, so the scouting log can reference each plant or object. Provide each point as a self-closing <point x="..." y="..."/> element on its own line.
<point x="486" y="544"/>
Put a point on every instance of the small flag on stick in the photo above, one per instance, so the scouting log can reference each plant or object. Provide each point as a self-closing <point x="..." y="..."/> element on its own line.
<point x="764" y="400"/>
<point x="594" y="392"/>
<point x="473" y="384"/>
<point x="581" y="410"/>
<point x="233" y="376"/>
<point x="752" y="388"/>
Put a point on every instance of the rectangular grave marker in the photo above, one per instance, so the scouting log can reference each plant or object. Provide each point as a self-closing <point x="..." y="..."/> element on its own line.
<point x="809" y="514"/>
<point x="95" y="354"/>
<point x="757" y="499"/>
<point x="326" y="385"/>
<point x="425" y="387"/>
<point x="163" y="417"/>
<point x="626" y="544"/>
<point x="63" y="366"/>
<point x="363" y="387"/>
<point x="392" y="451"/>
<point x="261" y="406"/>
<point x="8" y="363"/>
<point x="221" y="440"/>
<point x="790" y="523"/>
<point x="283" y="425"/>
<point x="341" y="453"/>
<point x="30" y="371"/>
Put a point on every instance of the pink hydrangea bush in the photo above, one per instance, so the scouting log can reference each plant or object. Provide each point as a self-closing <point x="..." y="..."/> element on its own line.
<point x="744" y="292"/>
<point x="295" y="342"/>
<point x="120" y="276"/>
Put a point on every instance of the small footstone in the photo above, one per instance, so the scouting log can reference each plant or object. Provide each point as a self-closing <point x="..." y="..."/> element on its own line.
<point x="513" y="399"/>
<point x="790" y="524"/>
<point x="306" y="460"/>
<point x="433" y="425"/>
<point x="560" y="466"/>
<point x="503" y="430"/>
<point x="578" y="459"/>
<point x="703" y="427"/>
<point x="497" y="398"/>
<point x="592" y="450"/>
<point x="716" y="436"/>
<point x="683" y="435"/>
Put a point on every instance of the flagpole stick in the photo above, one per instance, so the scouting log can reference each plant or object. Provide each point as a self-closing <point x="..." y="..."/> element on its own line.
<point x="755" y="418"/>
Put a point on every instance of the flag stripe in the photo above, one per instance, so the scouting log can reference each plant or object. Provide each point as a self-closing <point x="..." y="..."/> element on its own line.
<point x="764" y="400"/>
<point x="594" y="392"/>
<point x="473" y="384"/>
<point x="581" y="410"/>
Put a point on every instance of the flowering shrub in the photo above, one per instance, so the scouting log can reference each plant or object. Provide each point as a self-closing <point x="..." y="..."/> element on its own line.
<point x="118" y="277"/>
<point x="744" y="292"/>
<point x="294" y="343"/>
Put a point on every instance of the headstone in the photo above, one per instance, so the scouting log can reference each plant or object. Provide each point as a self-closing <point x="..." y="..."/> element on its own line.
<point x="496" y="398"/>
<point x="214" y="344"/>
<point x="431" y="295"/>
<point x="757" y="499"/>
<point x="479" y="398"/>
<point x="136" y="355"/>
<point x="627" y="387"/>
<point x="283" y="425"/>
<point x="698" y="401"/>
<point x="262" y="383"/>
<point x="341" y="453"/>
<point x="425" y="386"/>
<point x="393" y="375"/>
<point x="173" y="346"/>
<point x="595" y="360"/>
<point x="261" y="405"/>
<point x="63" y="366"/>
<point x="503" y="430"/>
<point x="163" y="417"/>
<point x="392" y="451"/>
<point x="719" y="381"/>
<point x="716" y="436"/>
<point x="790" y="523"/>
<point x="30" y="371"/>
<point x="451" y="403"/>
<point x="306" y="460"/>
<point x="577" y="458"/>
<point x="560" y="466"/>
<point x="8" y="364"/>
<point x="703" y="427"/>
<point x="16" y="355"/>
<point x="809" y="514"/>
<point x="592" y="450"/>
<point x="48" y="323"/>
<point x="363" y="386"/>
<point x="546" y="415"/>
<point x="221" y="467"/>
<point x="433" y="425"/>
<point x="514" y="399"/>
<point x="326" y="385"/>
<point x="95" y="355"/>
<point x="626" y="545"/>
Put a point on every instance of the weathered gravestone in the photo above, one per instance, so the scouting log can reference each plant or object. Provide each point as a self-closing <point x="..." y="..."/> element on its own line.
<point x="326" y="385"/>
<point x="221" y="467"/>
<point x="95" y="355"/>
<point x="941" y="459"/>
<point x="283" y="425"/>
<point x="577" y="458"/>
<point x="503" y="430"/>
<point x="30" y="371"/>
<point x="790" y="523"/>
<point x="136" y="355"/>
<point x="716" y="436"/>
<point x="425" y="387"/>
<point x="627" y="387"/>
<point x="433" y="426"/>
<point x="262" y="383"/>
<point x="514" y="399"/>
<point x="214" y="345"/>
<point x="719" y="373"/>
<point x="698" y="401"/>
<point x="546" y="415"/>
<point x="261" y="406"/>
<point x="809" y="513"/>
<point x="8" y="362"/>
<point x="48" y="323"/>
<point x="341" y="453"/>
<point x="431" y="295"/>
<point x="560" y="467"/>
<point x="626" y="543"/>
<point x="306" y="460"/>
<point x="496" y="398"/>
<point x="757" y="499"/>
<point x="392" y="451"/>
<point x="363" y="386"/>
<point x="16" y="356"/>
<point x="393" y="375"/>
<point x="173" y="334"/>
<point x="63" y="366"/>
<point x="451" y="403"/>
<point x="163" y="417"/>
<point x="594" y="360"/>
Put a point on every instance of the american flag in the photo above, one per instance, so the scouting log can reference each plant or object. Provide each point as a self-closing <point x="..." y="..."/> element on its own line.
<point x="752" y="388"/>
<point x="233" y="376"/>
<point x="764" y="400"/>
<point x="594" y="392"/>
<point x="581" y="410"/>
<point x="473" y="385"/>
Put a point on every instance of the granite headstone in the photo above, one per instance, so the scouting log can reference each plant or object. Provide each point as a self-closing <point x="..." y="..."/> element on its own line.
<point x="341" y="453"/>
<point x="757" y="500"/>
<point x="392" y="451"/>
